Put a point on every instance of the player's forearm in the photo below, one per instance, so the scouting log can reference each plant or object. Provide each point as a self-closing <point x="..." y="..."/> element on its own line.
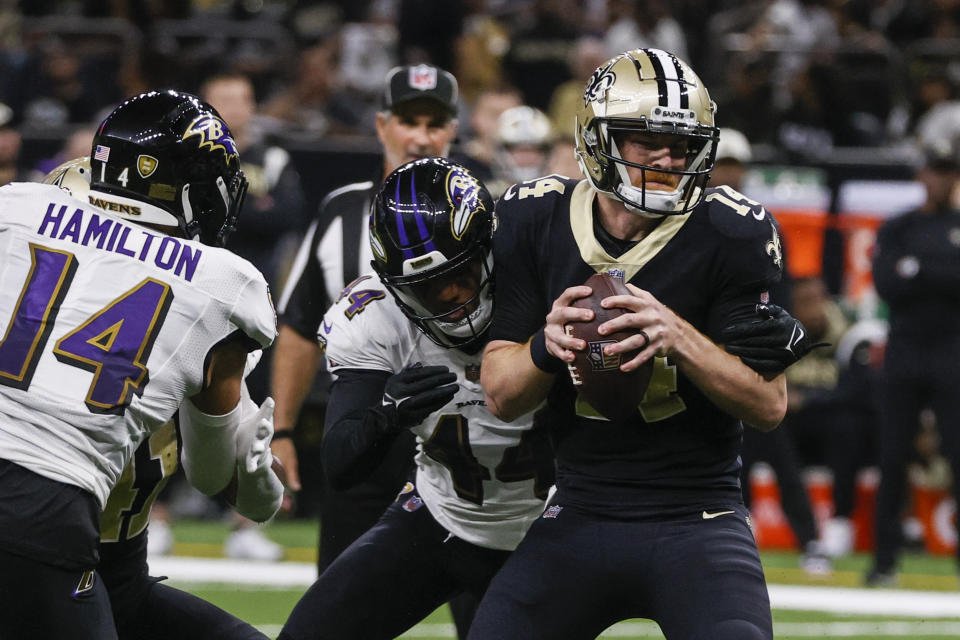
<point x="294" y="367"/>
<point x="355" y="446"/>
<point x="209" y="420"/>
<point x="357" y="433"/>
<point x="758" y="401"/>
<point x="511" y="381"/>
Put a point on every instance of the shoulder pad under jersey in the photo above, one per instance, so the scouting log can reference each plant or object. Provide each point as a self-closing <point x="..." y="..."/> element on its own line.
<point x="734" y="214"/>
<point x="753" y="244"/>
<point x="364" y="329"/>
<point x="254" y="313"/>
<point x="549" y="187"/>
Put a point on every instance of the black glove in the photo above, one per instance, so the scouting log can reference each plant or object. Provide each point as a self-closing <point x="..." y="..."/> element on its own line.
<point x="414" y="393"/>
<point x="770" y="342"/>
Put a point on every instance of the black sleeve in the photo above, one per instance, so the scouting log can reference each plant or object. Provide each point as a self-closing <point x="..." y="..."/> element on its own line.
<point x="304" y="298"/>
<point x="357" y="435"/>
<point x="519" y="306"/>
<point x="750" y="263"/>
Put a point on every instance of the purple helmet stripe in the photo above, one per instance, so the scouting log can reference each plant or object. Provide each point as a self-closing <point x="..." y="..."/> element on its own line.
<point x="401" y="230"/>
<point x="421" y="226"/>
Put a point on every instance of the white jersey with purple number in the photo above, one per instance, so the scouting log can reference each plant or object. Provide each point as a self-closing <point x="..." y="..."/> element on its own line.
<point x="484" y="480"/>
<point x="104" y="328"/>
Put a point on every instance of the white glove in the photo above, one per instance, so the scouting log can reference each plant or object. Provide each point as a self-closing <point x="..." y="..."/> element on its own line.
<point x="259" y="490"/>
<point x="253" y="442"/>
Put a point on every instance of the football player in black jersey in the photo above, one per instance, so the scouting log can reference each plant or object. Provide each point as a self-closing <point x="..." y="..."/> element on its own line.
<point x="647" y="520"/>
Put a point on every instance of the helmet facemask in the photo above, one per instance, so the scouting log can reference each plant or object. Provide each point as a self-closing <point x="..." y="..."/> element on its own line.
<point x="210" y="208"/>
<point x="699" y="153"/>
<point x="430" y="232"/>
<point x="647" y="93"/>
<point x="454" y="322"/>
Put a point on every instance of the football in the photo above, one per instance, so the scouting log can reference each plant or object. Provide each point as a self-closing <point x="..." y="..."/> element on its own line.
<point x="597" y="376"/>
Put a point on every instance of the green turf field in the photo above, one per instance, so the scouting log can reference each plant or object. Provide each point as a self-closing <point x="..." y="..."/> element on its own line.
<point x="267" y="607"/>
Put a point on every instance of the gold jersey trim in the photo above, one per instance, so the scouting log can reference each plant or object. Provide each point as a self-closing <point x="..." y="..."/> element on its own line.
<point x="581" y="222"/>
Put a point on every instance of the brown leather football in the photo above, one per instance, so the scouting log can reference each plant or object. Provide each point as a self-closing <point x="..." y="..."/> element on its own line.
<point x="596" y="376"/>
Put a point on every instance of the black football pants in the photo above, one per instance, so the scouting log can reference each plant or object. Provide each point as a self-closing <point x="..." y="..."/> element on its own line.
<point x="391" y="578"/>
<point x="575" y="574"/>
<point x="916" y="376"/>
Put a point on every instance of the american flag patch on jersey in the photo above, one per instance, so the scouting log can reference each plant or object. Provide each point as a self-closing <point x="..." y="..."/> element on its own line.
<point x="102" y="153"/>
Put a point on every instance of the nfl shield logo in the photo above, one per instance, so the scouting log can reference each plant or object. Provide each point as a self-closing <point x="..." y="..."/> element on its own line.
<point x="552" y="511"/>
<point x="617" y="273"/>
<point x="412" y="504"/>
<point x="472" y="372"/>
<point x="598" y="359"/>
<point x="423" y="77"/>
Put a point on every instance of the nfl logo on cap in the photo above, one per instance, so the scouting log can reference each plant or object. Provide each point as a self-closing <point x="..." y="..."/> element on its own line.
<point x="423" y="77"/>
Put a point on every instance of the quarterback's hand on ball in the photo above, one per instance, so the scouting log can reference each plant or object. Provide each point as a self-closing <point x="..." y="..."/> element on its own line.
<point x="770" y="341"/>
<point x="559" y="343"/>
<point x="414" y="393"/>
<point x="658" y="326"/>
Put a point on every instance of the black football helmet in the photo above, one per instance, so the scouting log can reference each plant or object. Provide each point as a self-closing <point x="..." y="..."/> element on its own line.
<point x="168" y="158"/>
<point x="430" y="231"/>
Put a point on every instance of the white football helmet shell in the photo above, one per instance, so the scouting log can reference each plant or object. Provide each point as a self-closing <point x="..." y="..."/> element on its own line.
<point x="522" y="126"/>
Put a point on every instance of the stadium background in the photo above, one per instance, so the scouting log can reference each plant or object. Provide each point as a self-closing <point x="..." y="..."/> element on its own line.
<point x="829" y="92"/>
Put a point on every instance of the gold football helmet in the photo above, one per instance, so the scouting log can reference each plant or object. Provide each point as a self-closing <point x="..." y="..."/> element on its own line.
<point x="73" y="176"/>
<point x="653" y="92"/>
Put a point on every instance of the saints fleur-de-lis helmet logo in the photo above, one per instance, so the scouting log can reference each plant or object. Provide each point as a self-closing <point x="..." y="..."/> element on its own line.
<point x="598" y="84"/>
<point x="773" y="247"/>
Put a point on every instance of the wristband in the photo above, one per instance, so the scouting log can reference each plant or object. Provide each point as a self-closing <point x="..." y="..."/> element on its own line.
<point x="282" y="434"/>
<point x="543" y="359"/>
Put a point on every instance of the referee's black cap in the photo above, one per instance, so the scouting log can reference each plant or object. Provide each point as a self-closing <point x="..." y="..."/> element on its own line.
<point x="413" y="82"/>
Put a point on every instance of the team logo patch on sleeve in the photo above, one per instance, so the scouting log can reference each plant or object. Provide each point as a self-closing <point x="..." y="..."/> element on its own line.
<point x="773" y="248"/>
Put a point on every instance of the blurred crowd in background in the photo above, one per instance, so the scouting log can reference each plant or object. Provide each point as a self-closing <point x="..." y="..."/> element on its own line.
<point x="830" y="97"/>
<point x="798" y="77"/>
